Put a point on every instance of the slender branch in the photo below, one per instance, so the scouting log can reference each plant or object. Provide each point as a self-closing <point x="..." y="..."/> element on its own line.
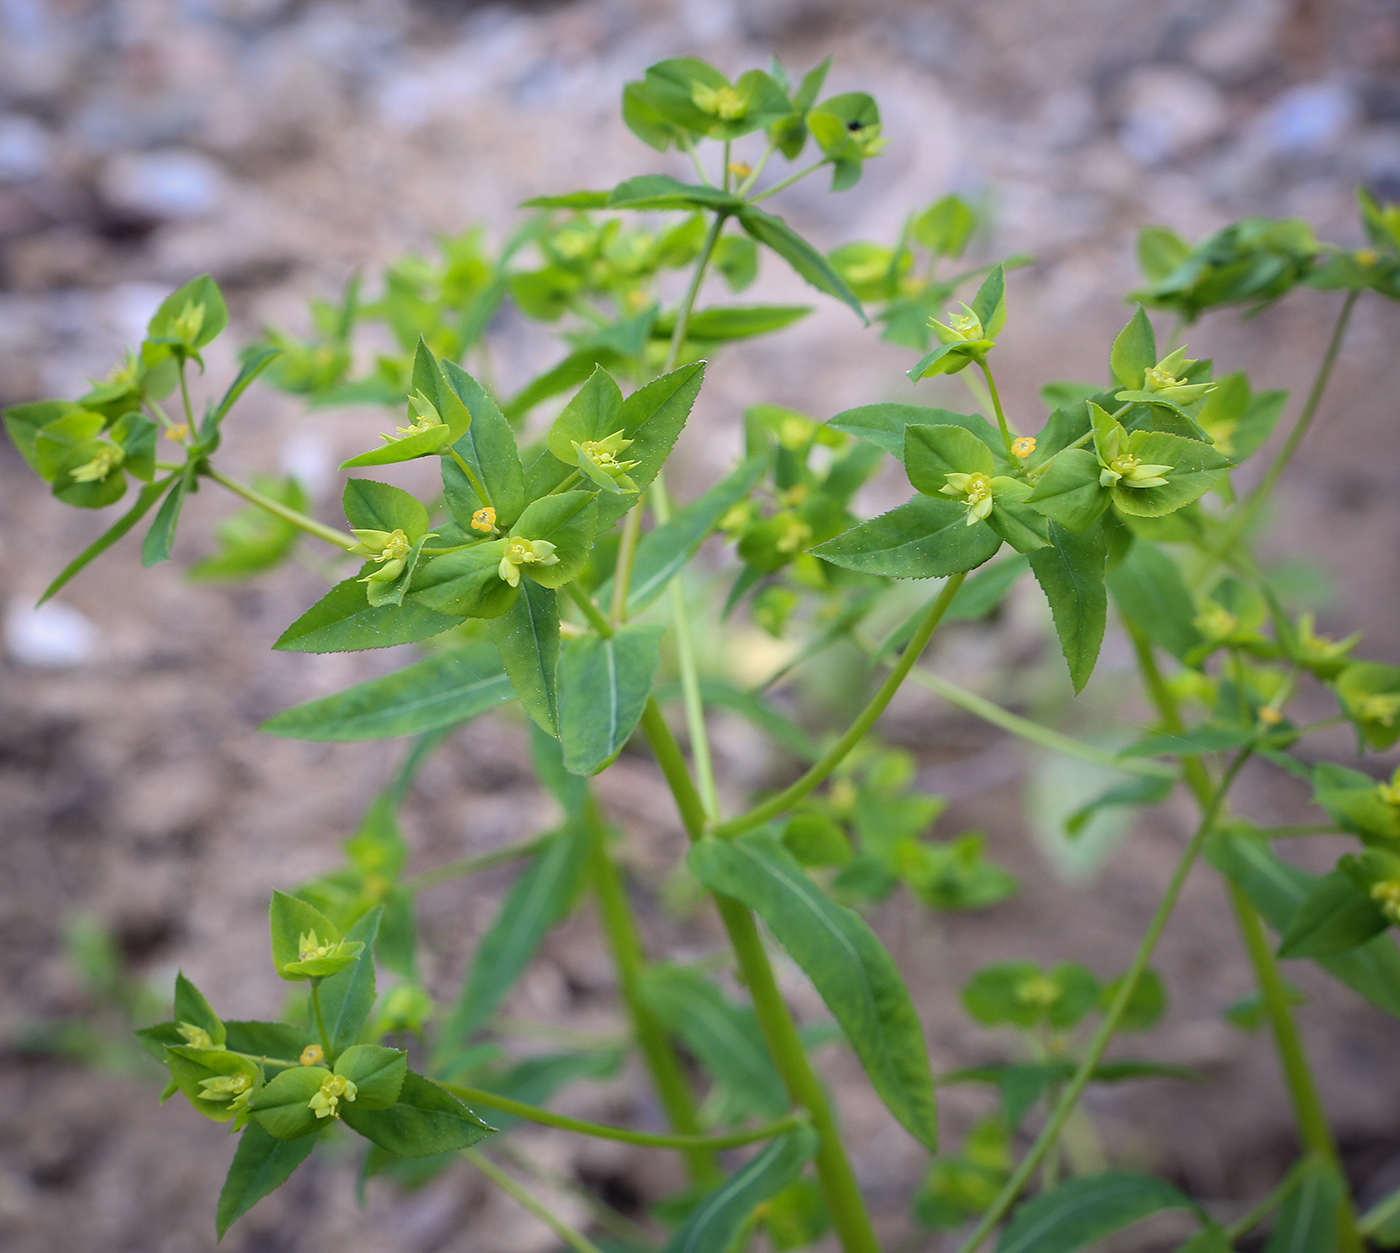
<point x="320" y="1021"/>
<point x="743" y="188"/>
<point x="626" y="559"/>
<point x="838" y="1181"/>
<point x="328" y="533"/>
<point x="1276" y="1197"/>
<point x="624" y="939"/>
<point x="982" y="708"/>
<point x="477" y="485"/>
<point x="867" y="717"/>
<point x="590" y="611"/>
<point x="790" y="180"/>
<point x="702" y="263"/>
<point x="185" y="399"/>
<point x="1006" y="437"/>
<point x="689" y="145"/>
<point x="1112" y="1017"/>
<point x="528" y="1202"/>
<point x="472" y="865"/>
<point x="624" y="1135"/>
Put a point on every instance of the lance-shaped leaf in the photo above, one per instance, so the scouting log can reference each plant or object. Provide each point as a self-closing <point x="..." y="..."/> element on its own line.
<point x="1134" y="351"/>
<point x="467" y="583"/>
<point x="1337" y="915"/>
<point x="540" y="898"/>
<point x="261" y="1164"/>
<point x="193" y="1010"/>
<point x="849" y="966"/>
<point x="424" y="1121"/>
<point x="603" y="688"/>
<point x="377" y="1073"/>
<point x="884" y="425"/>
<point x="1070" y="573"/>
<point x="347" y="998"/>
<point x="1307" y="1219"/>
<point x="343" y="620"/>
<point x="527" y="638"/>
<point x="1069" y="491"/>
<point x="155" y="548"/>
<point x="926" y="538"/>
<point x="148" y="496"/>
<point x="1083" y="1211"/>
<point x="719" y="1217"/>
<point x="805" y="260"/>
<point x="488" y="447"/>
<point x="594" y="413"/>
<point x="441" y="690"/>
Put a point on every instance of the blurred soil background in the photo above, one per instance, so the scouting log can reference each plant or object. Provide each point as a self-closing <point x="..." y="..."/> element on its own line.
<point x="282" y="144"/>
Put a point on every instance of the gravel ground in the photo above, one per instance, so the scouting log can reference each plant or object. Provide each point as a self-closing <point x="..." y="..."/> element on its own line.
<point x="284" y="144"/>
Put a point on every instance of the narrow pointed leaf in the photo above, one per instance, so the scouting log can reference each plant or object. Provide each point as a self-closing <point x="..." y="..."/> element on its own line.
<point x="261" y="1164"/>
<point x="145" y="499"/>
<point x="527" y="638"/>
<point x="603" y="687"/>
<point x="926" y="538"/>
<point x="1070" y="573"/>
<point x="808" y="263"/>
<point x="343" y="620"/>
<point x="424" y="1121"/>
<point x="1084" y="1211"/>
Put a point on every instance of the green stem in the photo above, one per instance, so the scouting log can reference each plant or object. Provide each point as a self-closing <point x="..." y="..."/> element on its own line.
<point x="702" y="263"/>
<point x="743" y="188"/>
<point x="321" y="1022"/>
<point x="472" y="865"/>
<point x="328" y="533"/>
<point x="625" y="941"/>
<point x="1236" y="527"/>
<point x="838" y="1181"/>
<point x="595" y="616"/>
<point x="856" y="732"/>
<point x="1252" y="1218"/>
<point x="528" y="1202"/>
<point x="688" y="144"/>
<point x="1093" y="1055"/>
<point x="690" y="672"/>
<point x="724" y="182"/>
<point x="982" y="708"/>
<point x="623" y="1135"/>
<point x="789" y="181"/>
<point x="477" y="485"/>
<point x="1313" y="1128"/>
<point x="626" y="559"/>
<point x="1006" y="435"/>
<point x="185" y="399"/>
<point x="1381" y="1214"/>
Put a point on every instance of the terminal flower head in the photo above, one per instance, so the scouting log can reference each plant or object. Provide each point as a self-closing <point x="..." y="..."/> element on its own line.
<point x="425" y="417"/>
<point x="964" y="327"/>
<point x="334" y="1089"/>
<point x="597" y="459"/>
<point x="189" y="321"/>
<point x="389" y="548"/>
<point x="1118" y="465"/>
<point x="1039" y="990"/>
<point x="723" y="102"/>
<point x="107" y="458"/>
<point x="1386" y="894"/>
<point x="521" y="552"/>
<point x="235" y="1088"/>
<point x="311" y="948"/>
<point x="1162" y="379"/>
<point x="196" y="1037"/>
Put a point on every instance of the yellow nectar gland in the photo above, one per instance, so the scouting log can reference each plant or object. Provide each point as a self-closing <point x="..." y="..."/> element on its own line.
<point x="312" y="1055"/>
<point x="196" y="1037"/>
<point x="1023" y="446"/>
<point x="968" y="325"/>
<point x="108" y="458"/>
<point x="1039" y="991"/>
<point x="1386" y="894"/>
<point x="178" y="431"/>
<point x="740" y="169"/>
<point x="484" y="520"/>
<point x="336" y="1088"/>
<point x="225" y="1087"/>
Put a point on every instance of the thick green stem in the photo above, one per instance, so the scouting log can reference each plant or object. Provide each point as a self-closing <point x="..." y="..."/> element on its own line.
<point x="328" y="533"/>
<point x="623" y="1135"/>
<point x="625" y="941"/>
<point x="856" y="732"/>
<point x="576" y="1240"/>
<point x="837" y="1178"/>
<point x="1093" y="1055"/>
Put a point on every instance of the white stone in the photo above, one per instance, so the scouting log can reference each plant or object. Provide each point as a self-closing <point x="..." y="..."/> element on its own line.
<point x="51" y="636"/>
<point x="1312" y="117"/>
<point x="25" y="149"/>
<point x="172" y="184"/>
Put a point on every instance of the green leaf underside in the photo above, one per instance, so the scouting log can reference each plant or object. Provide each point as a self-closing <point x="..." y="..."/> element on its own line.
<point x="261" y="1164"/>
<point x="347" y="998"/>
<point x="849" y="966"/>
<point x="539" y="899"/>
<point x="1149" y="589"/>
<point x="1070" y="573"/>
<point x="343" y="620"/>
<point x="922" y="539"/>
<point x="717" y="1219"/>
<point x="1082" y="1211"/>
<point x="603" y="687"/>
<point x="1307" y="1219"/>
<point x="424" y="1121"/>
<point x="438" y="691"/>
<point x="527" y="638"/>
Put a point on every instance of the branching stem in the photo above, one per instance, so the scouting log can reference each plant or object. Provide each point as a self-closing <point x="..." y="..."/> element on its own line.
<point x="299" y="520"/>
<point x="576" y="1240"/>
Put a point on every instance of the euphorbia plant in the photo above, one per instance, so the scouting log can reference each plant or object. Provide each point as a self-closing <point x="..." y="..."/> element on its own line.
<point x="538" y="575"/>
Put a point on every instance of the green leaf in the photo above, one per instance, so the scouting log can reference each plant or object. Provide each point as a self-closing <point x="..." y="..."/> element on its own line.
<point x="845" y="961"/>
<point x="1210" y="738"/>
<point x="148" y="496"/>
<point x="603" y="687"/>
<point x="719" y="1217"/>
<point x="253" y="364"/>
<point x="1146" y="1004"/>
<point x="424" y="1121"/>
<point x="989" y="304"/>
<point x="527" y="638"/>
<point x="1149" y="590"/>
<point x="283" y="1040"/>
<point x="155" y="548"/>
<point x="805" y="260"/>
<point x="931" y="453"/>
<point x="1307" y="1219"/>
<point x="405" y="448"/>
<point x="661" y="191"/>
<point x="24" y="422"/>
<point x="1070" y="572"/>
<point x="723" y="323"/>
<point x="1277" y="889"/>
<point x="377" y="1073"/>
<point x="374" y="506"/>
<point x="595" y="412"/>
<point x="926" y="538"/>
<point x="1134" y="351"/>
<point x="946" y="226"/>
<point x="1336" y="915"/>
<point x="261" y="1164"/>
<point x="347" y="998"/>
<point x="884" y="425"/>
<point x="997" y="995"/>
<point x="488" y="446"/>
<point x="1082" y="1211"/>
<point x="567" y="520"/>
<point x="192" y="1008"/>
<point x="665" y="550"/>
<point x="343" y="621"/>
<point x="198" y="291"/>
<point x="724" y="1037"/>
<point x="540" y="898"/>
<point x="441" y="690"/>
<point x="1195" y="469"/>
<point x="283" y="1104"/>
<point x="467" y="583"/>
<point x="1144" y="791"/>
<point x="1159" y="251"/>
<point x="1069" y="491"/>
<point x="291" y="918"/>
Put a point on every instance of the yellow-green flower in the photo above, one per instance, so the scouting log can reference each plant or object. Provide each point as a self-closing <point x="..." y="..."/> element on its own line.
<point x="107" y="459"/>
<point x="484" y="520"/>
<point x="389" y="548"/>
<point x="976" y="492"/>
<point x="236" y="1089"/>
<point x="311" y="948"/>
<point x="312" y="1055"/>
<point x="189" y="321"/>
<point x="597" y="459"/>
<point x="1386" y="894"/>
<point x="723" y="102"/>
<point x="196" y="1037"/>
<point x="522" y="552"/>
<point x="425" y="418"/>
<point x="334" y="1089"/>
<point x="1040" y="991"/>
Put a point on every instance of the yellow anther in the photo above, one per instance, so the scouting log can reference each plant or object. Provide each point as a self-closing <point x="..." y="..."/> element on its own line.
<point x="1023" y="446"/>
<point x="309" y="948"/>
<point x="312" y="1055"/>
<point x="484" y="520"/>
<point x="1157" y="379"/>
<point x="334" y="1089"/>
